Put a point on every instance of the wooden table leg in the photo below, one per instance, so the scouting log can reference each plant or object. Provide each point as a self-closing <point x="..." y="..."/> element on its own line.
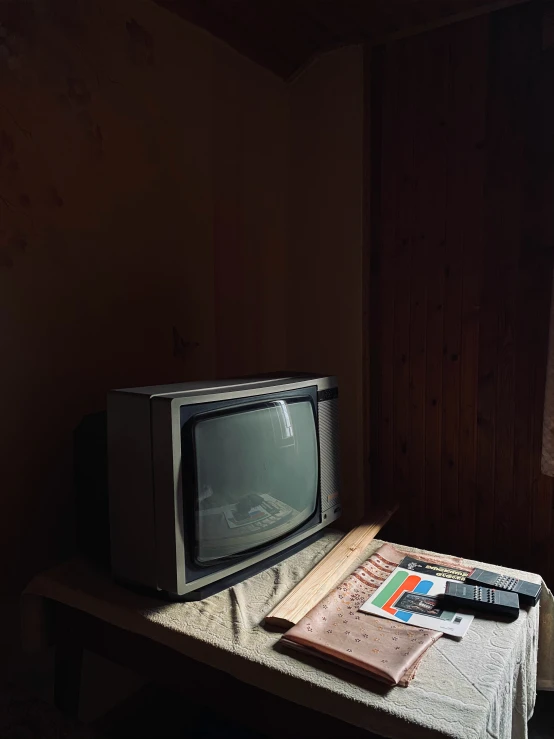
<point x="68" y="665"/>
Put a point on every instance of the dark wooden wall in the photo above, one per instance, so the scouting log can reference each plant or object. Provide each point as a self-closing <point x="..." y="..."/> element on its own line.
<point x="141" y="229"/>
<point x="462" y="153"/>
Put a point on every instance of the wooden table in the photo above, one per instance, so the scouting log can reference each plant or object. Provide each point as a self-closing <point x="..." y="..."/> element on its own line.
<point x="219" y="653"/>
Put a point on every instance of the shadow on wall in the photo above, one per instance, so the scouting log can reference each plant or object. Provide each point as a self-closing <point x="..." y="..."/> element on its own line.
<point x="109" y="120"/>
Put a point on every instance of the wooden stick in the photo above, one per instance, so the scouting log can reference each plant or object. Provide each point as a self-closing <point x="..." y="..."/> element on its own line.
<point x="334" y="567"/>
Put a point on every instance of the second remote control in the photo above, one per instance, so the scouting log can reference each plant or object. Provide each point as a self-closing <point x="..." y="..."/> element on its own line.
<point x="476" y="598"/>
<point x="528" y="592"/>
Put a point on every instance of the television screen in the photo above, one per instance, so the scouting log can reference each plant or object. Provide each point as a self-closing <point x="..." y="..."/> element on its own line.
<point x="256" y="476"/>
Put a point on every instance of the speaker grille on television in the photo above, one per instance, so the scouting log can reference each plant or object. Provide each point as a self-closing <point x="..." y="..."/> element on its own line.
<point x="328" y="421"/>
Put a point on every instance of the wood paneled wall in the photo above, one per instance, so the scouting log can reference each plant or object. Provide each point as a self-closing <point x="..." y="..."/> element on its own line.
<point x="462" y="252"/>
<point x="142" y="233"/>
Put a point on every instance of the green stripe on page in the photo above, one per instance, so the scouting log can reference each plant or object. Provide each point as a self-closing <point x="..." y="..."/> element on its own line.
<point x="394" y="583"/>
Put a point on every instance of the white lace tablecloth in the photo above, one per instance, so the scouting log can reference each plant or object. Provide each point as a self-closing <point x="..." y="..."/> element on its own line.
<point x="478" y="688"/>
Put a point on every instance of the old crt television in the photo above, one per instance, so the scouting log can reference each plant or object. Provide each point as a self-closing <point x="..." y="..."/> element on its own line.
<point x="209" y="482"/>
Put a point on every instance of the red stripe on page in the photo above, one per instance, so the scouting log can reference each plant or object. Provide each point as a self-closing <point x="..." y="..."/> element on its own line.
<point x="409" y="584"/>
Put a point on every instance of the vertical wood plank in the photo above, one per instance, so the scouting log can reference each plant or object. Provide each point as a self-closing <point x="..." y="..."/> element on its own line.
<point x="539" y="495"/>
<point x="420" y="115"/>
<point x="367" y="299"/>
<point x="403" y="246"/>
<point x="384" y="267"/>
<point x="428" y="233"/>
<point x="432" y="214"/>
<point x="452" y="323"/>
<point x="546" y="159"/>
<point x="538" y="268"/>
<point x="470" y="46"/>
<point x="527" y="326"/>
<point x="488" y="337"/>
<point x="229" y="228"/>
<point x="509" y="84"/>
<point x="374" y="83"/>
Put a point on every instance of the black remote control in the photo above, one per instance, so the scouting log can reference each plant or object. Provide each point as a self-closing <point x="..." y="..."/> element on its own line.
<point x="475" y="598"/>
<point x="529" y="592"/>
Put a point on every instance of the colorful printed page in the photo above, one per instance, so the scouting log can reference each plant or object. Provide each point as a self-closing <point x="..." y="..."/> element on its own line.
<point x="412" y="599"/>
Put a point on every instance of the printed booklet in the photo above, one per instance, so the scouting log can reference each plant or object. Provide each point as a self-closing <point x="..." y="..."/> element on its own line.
<point x="411" y="597"/>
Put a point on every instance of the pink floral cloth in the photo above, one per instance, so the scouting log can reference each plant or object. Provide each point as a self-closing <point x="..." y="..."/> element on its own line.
<point x="337" y="631"/>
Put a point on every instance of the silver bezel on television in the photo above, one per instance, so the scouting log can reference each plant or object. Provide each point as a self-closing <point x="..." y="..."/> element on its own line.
<point x="147" y="527"/>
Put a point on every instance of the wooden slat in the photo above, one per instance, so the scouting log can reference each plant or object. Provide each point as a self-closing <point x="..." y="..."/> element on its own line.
<point x="432" y="215"/>
<point x="426" y="291"/>
<point x="403" y="245"/>
<point x="421" y="111"/>
<point x="484" y="484"/>
<point x="229" y="227"/>
<point x="540" y="495"/>
<point x="488" y="348"/>
<point x="328" y="573"/>
<point x="546" y="158"/>
<point x="527" y="317"/>
<point x="526" y="457"/>
<point x="383" y="282"/>
<point x="470" y="42"/>
<point x="539" y="267"/>
<point x="509" y="80"/>
<point x="452" y="321"/>
<point x="372" y="70"/>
